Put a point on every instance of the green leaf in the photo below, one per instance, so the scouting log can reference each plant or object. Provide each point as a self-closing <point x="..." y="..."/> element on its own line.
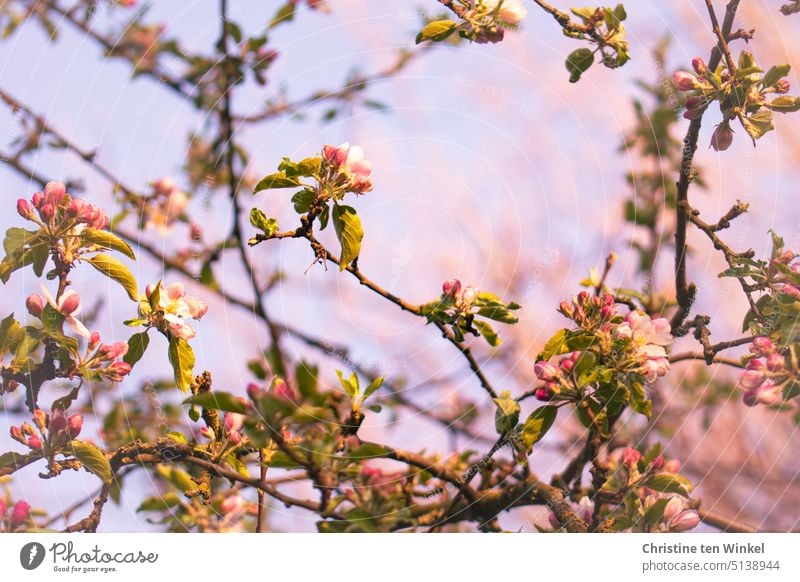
<point x="578" y="62"/>
<point x="349" y="232"/>
<point x="488" y="333"/>
<point x="506" y="416"/>
<point x="114" y="269"/>
<point x="302" y="201"/>
<point x="66" y="401"/>
<point x="785" y="104"/>
<point x="285" y="14"/>
<point x="669" y="483"/>
<point x="306" y="376"/>
<point x="437" y="31"/>
<point x="181" y="357"/>
<point x="373" y="386"/>
<point x="107" y="240"/>
<point x="93" y="460"/>
<point x="160" y="502"/>
<point x="23" y="247"/>
<point x="537" y="425"/>
<point x="218" y="401"/>
<point x="260" y="221"/>
<point x="655" y="512"/>
<point x="555" y="346"/>
<point x="775" y="74"/>
<point x="369" y="451"/>
<point x="276" y="180"/>
<point x="9" y="327"/>
<point x="137" y="344"/>
<point x="351" y="387"/>
<point x="307" y="167"/>
<point x="639" y="401"/>
<point x="11" y="458"/>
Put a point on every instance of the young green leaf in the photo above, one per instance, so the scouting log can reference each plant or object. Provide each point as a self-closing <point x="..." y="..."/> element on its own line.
<point x="578" y="62"/>
<point x="114" y="269"/>
<point x="218" y="401"/>
<point x="537" y="425"/>
<point x="93" y="460"/>
<point x="349" y="232"/>
<point x="276" y="180"/>
<point x="437" y="31"/>
<point x="181" y="357"/>
<point x="107" y="240"/>
<point x="351" y="386"/>
<point x="373" y="386"/>
<point x="260" y="221"/>
<point x="137" y="344"/>
<point x="488" y="333"/>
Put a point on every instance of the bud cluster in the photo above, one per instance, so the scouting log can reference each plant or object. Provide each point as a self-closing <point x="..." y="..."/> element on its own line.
<point x="766" y="374"/>
<point x="14" y="517"/>
<point x="58" y="212"/>
<point x="49" y="433"/>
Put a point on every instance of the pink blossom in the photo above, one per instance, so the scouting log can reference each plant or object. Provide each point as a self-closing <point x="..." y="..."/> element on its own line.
<point x="685" y="521"/>
<point x="674" y="506"/>
<point x="74" y="425"/>
<point x="20" y="512"/>
<point x="335" y="155"/>
<point x="545" y="370"/>
<point x="511" y="11"/>
<point x="282" y="390"/>
<point x="182" y="330"/>
<point x="3" y="509"/>
<point x="544" y="394"/>
<point x="113" y="351"/>
<point x="767" y="394"/>
<point x="776" y="363"/>
<point x="117" y="371"/>
<point x="752" y="378"/>
<point x="24" y="208"/>
<point x="630" y="456"/>
<point x="35" y="305"/>
<point x="69" y="306"/>
<point x="672" y="466"/>
<point x="94" y="339"/>
<point x="782" y="86"/>
<point x="35" y="443"/>
<point x="469" y="295"/>
<point x="685" y="81"/>
<point x="699" y="66"/>
<point x="164" y="186"/>
<point x="451" y="288"/>
<point x="722" y="138"/>
<point x="58" y="421"/>
<point x="47" y="212"/>
<point x="762" y="346"/>
<point x="197" y="307"/>
<point x="54" y="193"/>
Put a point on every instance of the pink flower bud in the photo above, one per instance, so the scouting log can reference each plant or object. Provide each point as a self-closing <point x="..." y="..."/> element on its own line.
<point x="69" y="303"/>
<point x="282" y="390"/>
<point x="630" y="456"/>
<point x="3" y="509"/>
<point x="16" y="434"/>
<point x="336" y="155"/>
<point x="699" y="66"/>
<point x="566" y="365"/>
<point x="195" y="231"/>
<point x="672" y="466"/>
<point x="674" y="506"/>
<point x="722" y="138"/>
<point x="117" y="371"/>
<point x="776" y="363"/>
<point x="762" y="346"/>
<point x="58" y="421"/>
<point x="545" y="370"/>
<point x="544" y="394"/>
<point x="255" y="392"/>
<point x="752" y="379"/>
<point x="782" y="86"/>
<point x="197" y="307"/>
<point x="37" y="199"/>
<point x="24" y="208"/>
<point x="207" y="433"/>
<point x="47" y="212"/>
<point x="451" y="288"/>
<point x="766" y="394"/>
<point x="35" y="443"/>
<point x="230" y="504"/>
<point x="469" y="295"/>
<point x="164" y="186"/>
<point x="684" y="81"/>
<point x="685" y="521"/>
<point x="35" y="305"/>
<point x="182" y="330"/>
<point x="113" y="351"/>
<point x="19" y="513"/>
<point x="74" y="425"/>
<point x="94" y="340"/>
<point x="657" y="463"/>
<point x="54" y="193"/>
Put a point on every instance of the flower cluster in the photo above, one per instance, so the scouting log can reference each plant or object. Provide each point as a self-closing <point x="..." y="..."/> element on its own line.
<point x="784" y="274"/>
<point x="51" y="431"/>
<point x="484" y="21"/>
<point x="17" y="517"/>
<point x="168" y="308"/>
<point x="165" y="206"/>
<point x="57" y="211"/>
<point x="68" y="305"/>
<point x="459" y="307"/>
<point x="606" y="350"/>
<point x="766" y="374"/>
<point x="345" y="169"/>
<point x="658" y="494"/>
<point x="744" y="96"/>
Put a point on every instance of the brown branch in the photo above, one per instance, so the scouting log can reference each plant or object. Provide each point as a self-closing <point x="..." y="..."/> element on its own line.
<point x="723" y="523"/>
<point x="684" y="291"/>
